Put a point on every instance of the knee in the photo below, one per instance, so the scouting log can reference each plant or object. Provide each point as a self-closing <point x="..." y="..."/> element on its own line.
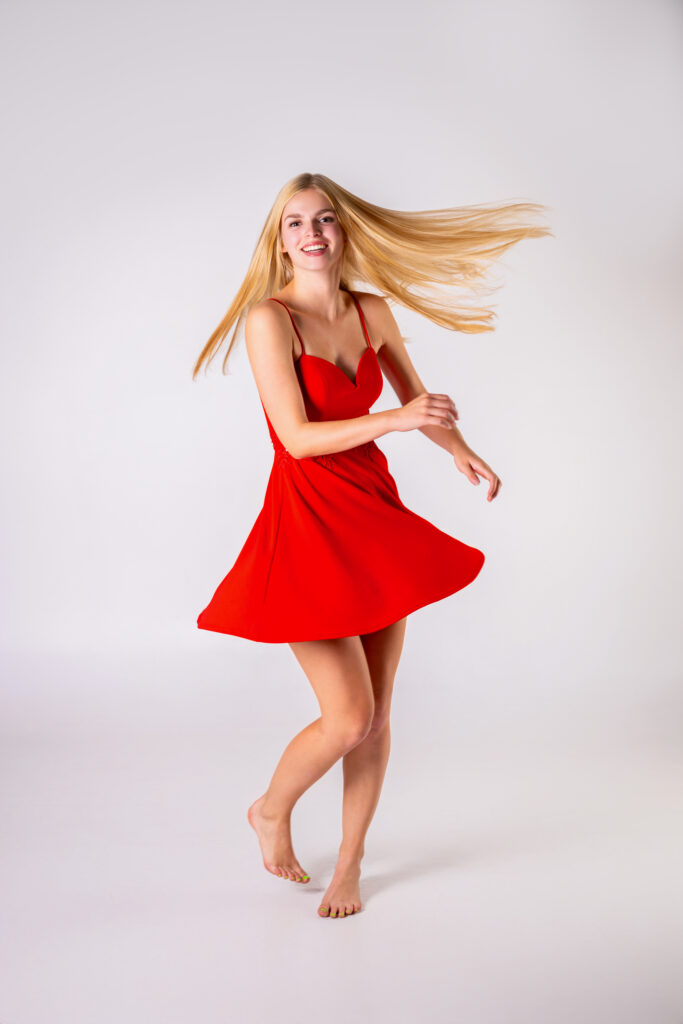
<point x="352" y="729"/>
<point x="380" y="719"/>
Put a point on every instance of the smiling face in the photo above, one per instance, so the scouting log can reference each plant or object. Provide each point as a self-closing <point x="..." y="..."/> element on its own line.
<point x="310" y="231"/>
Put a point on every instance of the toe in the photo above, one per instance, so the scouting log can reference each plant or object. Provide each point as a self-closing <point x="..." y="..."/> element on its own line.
<point x="324" y="911"/>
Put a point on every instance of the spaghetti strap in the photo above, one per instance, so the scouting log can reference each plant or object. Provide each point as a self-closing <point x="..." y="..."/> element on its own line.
<point x="301" y="340"/>
<point x="273" y="299"/>
<point x="362" y="319"/>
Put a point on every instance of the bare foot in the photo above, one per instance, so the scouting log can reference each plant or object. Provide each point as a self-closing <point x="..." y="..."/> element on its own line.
<point x="343" y="893"/>
<point x="275" y="840"/>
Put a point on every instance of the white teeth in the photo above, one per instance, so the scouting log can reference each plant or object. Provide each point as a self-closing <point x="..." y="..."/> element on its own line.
<point x="313" y="248"/>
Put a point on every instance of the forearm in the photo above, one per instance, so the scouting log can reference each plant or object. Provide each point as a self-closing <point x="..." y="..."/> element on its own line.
<point x="449" y="438"/>
<point x="328" y="436"/>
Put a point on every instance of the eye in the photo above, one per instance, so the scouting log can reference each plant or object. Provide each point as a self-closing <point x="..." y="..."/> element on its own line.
<point x="328" y="216"/>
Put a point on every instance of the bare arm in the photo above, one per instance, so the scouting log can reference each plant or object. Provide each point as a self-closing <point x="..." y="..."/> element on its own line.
<point x="402" y="375"/>
<point x="269" y="347"/>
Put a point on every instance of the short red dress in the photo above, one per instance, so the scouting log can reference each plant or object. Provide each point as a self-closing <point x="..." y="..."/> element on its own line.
<point x="334" y="551"/>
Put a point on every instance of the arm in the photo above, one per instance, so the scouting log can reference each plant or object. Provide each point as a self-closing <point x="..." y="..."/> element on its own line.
<point x="404" y="379"/>
<point x="402" y="375"/>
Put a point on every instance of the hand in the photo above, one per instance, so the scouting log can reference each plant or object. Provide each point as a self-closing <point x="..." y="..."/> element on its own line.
<point x="426" y="410"/>
<point x="469" y="463"/>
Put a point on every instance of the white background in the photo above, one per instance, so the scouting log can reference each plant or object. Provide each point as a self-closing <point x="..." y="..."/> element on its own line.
<point x="520" y="866"/>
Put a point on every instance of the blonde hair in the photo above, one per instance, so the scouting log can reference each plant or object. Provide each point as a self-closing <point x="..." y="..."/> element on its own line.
<point x="397" y="252"/>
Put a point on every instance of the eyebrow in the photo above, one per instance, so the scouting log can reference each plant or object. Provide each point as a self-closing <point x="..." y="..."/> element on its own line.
<point x="326" y="210"/>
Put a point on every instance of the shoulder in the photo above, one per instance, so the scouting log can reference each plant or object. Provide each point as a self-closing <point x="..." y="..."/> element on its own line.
<point x="266" y="314"/>
<point x="265" y="311"/>
<point x="371" y="301"/>
<point x="266" y="328"/>
<point x="374" y="307"/>
<point x="377" y="312"/>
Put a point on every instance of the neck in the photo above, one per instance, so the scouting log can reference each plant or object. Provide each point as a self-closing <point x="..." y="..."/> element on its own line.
<point x="318" y="296"/>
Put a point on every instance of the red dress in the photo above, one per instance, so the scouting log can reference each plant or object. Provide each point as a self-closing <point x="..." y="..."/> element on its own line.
<point x="334" y="551"/>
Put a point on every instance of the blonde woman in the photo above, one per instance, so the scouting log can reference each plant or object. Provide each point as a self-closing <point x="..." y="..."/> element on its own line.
<point x="335" y="562"/>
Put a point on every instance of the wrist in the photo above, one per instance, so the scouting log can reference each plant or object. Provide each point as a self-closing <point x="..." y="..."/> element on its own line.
<point x="389" y="419"/>
<point x="458" y="444"/>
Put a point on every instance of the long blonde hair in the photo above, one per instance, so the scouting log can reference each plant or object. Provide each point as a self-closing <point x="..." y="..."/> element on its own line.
<point x="397" y="252"/>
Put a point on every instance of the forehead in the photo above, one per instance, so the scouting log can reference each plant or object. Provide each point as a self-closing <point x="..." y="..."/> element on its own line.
<point x="309" y="201"/>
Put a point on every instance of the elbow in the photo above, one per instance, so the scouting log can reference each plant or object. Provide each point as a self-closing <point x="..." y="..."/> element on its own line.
<point x="302" y="441"/>
<point x="295" y="448"/>
<point x="296" y="441"/>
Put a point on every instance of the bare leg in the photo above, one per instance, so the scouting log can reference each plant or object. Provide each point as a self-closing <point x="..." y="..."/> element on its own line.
<point x="338" y="671"/>
<point x="364" y="770"/>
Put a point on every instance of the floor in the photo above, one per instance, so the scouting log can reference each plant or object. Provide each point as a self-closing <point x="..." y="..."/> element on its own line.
<point x="506" y="880"/>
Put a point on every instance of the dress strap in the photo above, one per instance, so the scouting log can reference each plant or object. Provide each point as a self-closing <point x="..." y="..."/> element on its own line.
<point x="362" y="319"/>
<point x="273" y="299"/>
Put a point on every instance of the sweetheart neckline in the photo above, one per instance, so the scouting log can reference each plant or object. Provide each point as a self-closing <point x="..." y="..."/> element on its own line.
<point x="354" y="382"/>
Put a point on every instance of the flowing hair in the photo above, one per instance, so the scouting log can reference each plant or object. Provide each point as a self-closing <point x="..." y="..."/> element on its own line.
<point x="401" y="254"/>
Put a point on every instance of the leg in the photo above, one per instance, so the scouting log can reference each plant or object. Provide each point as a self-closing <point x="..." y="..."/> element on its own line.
<point x="338" y="672"/>
<point x="364" y="770"/>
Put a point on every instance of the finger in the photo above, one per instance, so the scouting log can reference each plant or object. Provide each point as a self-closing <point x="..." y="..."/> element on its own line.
<point x="487" y="474"/>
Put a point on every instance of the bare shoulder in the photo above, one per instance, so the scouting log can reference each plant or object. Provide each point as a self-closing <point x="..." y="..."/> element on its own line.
<point x="371" y="302"/>
<point x="382" y="326"/>
<point x="267" y="330"/>
<point x="264" y="312"/>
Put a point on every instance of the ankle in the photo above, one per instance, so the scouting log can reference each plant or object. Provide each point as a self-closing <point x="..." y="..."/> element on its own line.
<point x="272" y="813"/>
<point x="350" y="857"/>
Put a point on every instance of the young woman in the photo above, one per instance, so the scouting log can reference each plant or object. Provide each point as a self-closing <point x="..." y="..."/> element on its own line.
<point x="335" y="562"/>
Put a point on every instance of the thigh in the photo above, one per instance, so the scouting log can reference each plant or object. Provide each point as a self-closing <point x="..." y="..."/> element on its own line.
<point x="383" y="650"/>
<point x="337" y="669"/>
